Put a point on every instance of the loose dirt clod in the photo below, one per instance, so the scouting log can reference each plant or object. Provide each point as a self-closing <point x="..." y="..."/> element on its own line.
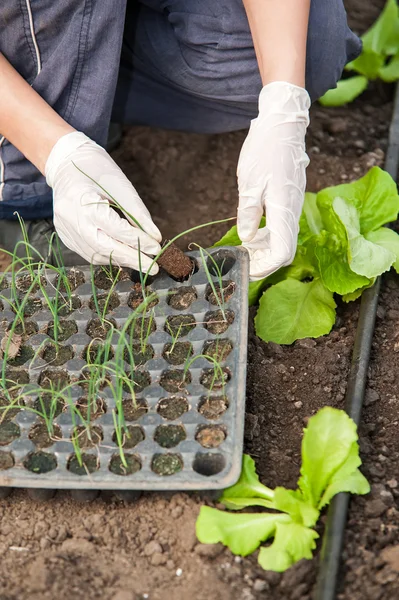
<point x="90" y="463"/>
<point x="88" y="437"/>
<point x="213" y="407"/>
<point x="178" y="353"/>
<point x="57" y="355"/>
<point x="175" y="380"/>
<point x="169" y="436"/>
<point x="216" y="322"/>
<point x="97" y="328"/>
<point x="40" y="436"/>
<point x="210" y="436"/>
<point x="40" y="462"/>
<point x="130" y="438"/>
<point x="177" y="264"/>
<point x="134" y="409"/>
<point x="136" y="297"/>
<point x="6" y="461"/>
<point x="9" y="431"/>
<point x="118" y="468"/>
<point x="181" y="298"/>
<point x="167" y="464"/>
<point x="65" y="329"/>
<point x="173" y="407"/>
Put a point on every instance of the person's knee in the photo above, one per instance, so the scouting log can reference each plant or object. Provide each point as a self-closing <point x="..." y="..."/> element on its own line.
<point x="330" y="46"/>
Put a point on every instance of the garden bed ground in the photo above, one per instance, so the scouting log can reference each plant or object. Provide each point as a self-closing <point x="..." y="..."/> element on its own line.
<point x="110" y="550"/>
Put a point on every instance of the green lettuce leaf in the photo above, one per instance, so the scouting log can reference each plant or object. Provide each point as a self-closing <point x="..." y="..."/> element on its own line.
<point x="310" y="223"/>
<point x="248" y="485"/>
<point x="383" y="35"/>
<point x="375" y="197"/>
<point x="291" y="310"/>
<point x="346" y="91"/>
<point x="357" y="293"/>
<point x="387" y="239"/>
<point x="242" y="532"/>
<point x="328" y="443"/>
<point x="293" y="503"/>
<point x="291" y="543"/>
<point x="390" y="72"/>
<point x="368" y="64"/>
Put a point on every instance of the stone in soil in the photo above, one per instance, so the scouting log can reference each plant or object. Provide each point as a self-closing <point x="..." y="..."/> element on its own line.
<point x="90" y="464"/>
<point x="182" y="297"/>
<point x="210" y="436"/>
<point x="166" y="464"/>
<point x="9" y="431"/>
<point x="41" y="437"/>
<point x="75" y="279"/>
<point x="116" y="466"/>
<point x="213" y="407"/>
<point x="169" y="436"/>
<point x="96" y="408"/>
<point x="104" y="278"/>
<point x="217" y="349"/>
<point x="180" y="325"/>
<point x="98" y="328"/>
<point x="223" y="292"/>
<point x="138" y="354"/>
<point x="215" y="378"/>
<point x="133" y="410"/>
<point x="87" y="437"/>
<point x="57" y="355"/>
<point x="217" y="321"/>
<point x="25" y="353"/>
<point x="131" y="436"/>
<point x="177" y="264"/>
<point x="40" y="462"/>
<point x="6" y="461"/>
<point x="65" y="329"/>
<point x="105" y="302"/>
<point x="173" y="407"/>
<point x="175" y="380"/>
<point x="177" y="353"/>
<point x="139" y="379"/>
<point x="136" y="297"/>
<point x="54" y="378"/>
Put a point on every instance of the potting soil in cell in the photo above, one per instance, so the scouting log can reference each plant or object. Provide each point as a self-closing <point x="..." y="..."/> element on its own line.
<point x="184" y="427"/>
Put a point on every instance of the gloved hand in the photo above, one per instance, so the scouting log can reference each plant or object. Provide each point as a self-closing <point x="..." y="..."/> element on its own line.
<point x="272" y="177"/>
<point x="83" y="217"/>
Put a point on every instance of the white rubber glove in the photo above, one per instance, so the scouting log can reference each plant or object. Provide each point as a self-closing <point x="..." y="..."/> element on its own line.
<point x="83" y="217"/>
<point x="272" y="177"/>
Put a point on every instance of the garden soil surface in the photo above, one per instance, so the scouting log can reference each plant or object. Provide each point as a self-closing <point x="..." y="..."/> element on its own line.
<point x="112" y="550"/>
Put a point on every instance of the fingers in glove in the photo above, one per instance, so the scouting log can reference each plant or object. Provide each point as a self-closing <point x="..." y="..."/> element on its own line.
<point x="249" y="215"/>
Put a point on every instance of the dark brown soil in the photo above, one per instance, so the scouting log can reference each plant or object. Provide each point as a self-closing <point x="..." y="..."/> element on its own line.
<point x="177" y="264"/>
<point x="215" y="378"/>
<point x="95" y="408"/>
<point x="166" y="464"/>
<point x="9" y="431"/>
<point x="24" y="282"/>
<point x="7" y="413"/>
<point x="106" y="302"/>
<point x="173" y="407"/>
<point x="67" y="307"/>
<point x="88" y="437"/>
<point x="217" y="349"/>
<point x="54" y="378"/>
<point x="180" y="325"/>
<point x="57" y="355"/>
<point x="169" y="436"/>
<point x="97" y="328"/>
<point x="97" y="353"/>
<point x="139" y="353"/>
<point x="130" y="438"/>
<point x="26" y="329"/>
<point x="178" y="353"/>
<point x="16" y="376"/>
<point x="31" y="306"/>
<point x="213" y="407"/>
<point x="221" y="294"/>
<point x="175" y="380"/>
<point x="40" y="462"/>
<point x="141" y="328"/>
<point x="136" y="297"/>
<point x="182" y="298"/>
<point x="117" y="467"/>
<point x="133" y="410"/>
<point x="6" y="461"/>
<point x="25" y="353"/>
<point x="89" y="464"/>
<point x="140" y="380"/>
<point x="105" y="280"/>
<point x="210" y="436"/>
<point x="66" y="328"/>
<point x="217" y="322"/>
<point x="75" y="278"/>
<point x="49" y="406"/>
<point x="41" y="437"/>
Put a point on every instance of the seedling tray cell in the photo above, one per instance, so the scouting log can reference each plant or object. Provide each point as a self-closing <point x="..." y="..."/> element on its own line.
<point x="185" y="425"/>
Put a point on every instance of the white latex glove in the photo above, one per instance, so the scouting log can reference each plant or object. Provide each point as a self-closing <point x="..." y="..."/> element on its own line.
<point x="83" y="217"/>
<point x="272" y="177"/>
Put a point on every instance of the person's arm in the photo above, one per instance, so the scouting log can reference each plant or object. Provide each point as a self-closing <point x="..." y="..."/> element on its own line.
<point x="83" y="217"/>
<point x="272" y="165"/>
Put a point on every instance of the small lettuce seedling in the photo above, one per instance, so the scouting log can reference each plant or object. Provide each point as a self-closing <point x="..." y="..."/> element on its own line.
<point x="379" y="59"/>
<point x="342" y="248"/>
<point x="330" y="461"/>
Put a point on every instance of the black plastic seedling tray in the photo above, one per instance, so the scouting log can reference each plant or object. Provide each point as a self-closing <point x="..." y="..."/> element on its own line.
<point x="190" y="419"/>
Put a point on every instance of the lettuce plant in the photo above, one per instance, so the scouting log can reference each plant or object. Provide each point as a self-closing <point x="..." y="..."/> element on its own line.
<point x="379" y="59"/>
<point x="330" y="461"/>
<point x="342" y="248"/>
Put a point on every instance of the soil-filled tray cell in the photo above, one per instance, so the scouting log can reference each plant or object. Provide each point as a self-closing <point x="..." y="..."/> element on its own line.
<point x="116" y="382"/>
